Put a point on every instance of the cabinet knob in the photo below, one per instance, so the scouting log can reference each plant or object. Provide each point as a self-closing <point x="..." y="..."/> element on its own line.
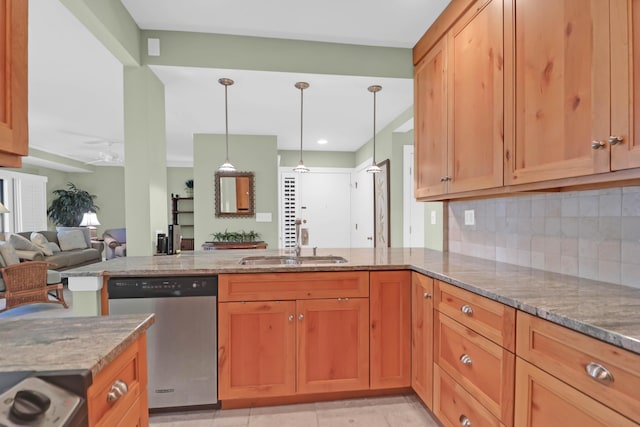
<point x="445" y="179"/>
<point x="466" y="360"/>
<point x="464" y="421"/>
<point x="466" y="309"/>
<point x="300" y="316"/>
<point x="596" y="145"/>
<point x="291" y="318"/>
<point x="118" y="389"/>
<point x="599" y="373"/>
<point x="615" y="139"/>
<point x="426" y="295"/>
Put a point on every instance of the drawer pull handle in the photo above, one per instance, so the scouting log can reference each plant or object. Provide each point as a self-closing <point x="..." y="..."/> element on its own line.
<point x="464" y="421"/>
<point x="466" y="360"/>
<point x="599" y="373"/>
<point x="426" y="295"/>
<point x="118" y="389"/>
<point x="291" y="318"/>
<point x="300" y="316"/>
<point x="466" y="309"/>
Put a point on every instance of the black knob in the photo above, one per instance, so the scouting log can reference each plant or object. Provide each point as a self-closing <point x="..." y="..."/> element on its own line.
<point x="29" y="405"/>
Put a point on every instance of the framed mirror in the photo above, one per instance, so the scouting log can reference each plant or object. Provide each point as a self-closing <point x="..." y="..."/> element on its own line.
<point x="234" y="194"/>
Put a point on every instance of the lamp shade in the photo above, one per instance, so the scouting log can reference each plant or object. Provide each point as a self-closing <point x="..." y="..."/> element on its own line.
<point x="89" y="219"/>
<point x="3" y="209"/>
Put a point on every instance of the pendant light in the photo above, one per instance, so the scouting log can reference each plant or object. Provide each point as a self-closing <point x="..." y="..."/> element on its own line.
<point x="226" y="166"/>
<point x="301" y="168"/>
<point x="374" y="168"/>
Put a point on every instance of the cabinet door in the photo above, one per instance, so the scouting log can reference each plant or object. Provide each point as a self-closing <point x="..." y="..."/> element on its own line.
<point x="14" y="141"/>
<point x="333" y="345"/>
<point x="625" y="87"/>
<point x="390" y="323"/>
<point x="475" y="90"/>
<point x="561" y="99"/>
<point x="544" y="401"/>
<point x="430" y="117"/>
<point x="422" y="337"/>
<point x="256" y="349"/>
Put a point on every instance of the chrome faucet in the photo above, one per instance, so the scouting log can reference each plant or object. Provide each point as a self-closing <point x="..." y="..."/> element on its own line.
<point x="298" y="236"/>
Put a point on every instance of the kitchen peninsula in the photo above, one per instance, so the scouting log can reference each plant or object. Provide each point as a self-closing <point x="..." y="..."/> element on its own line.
<point x="522" y="327"/>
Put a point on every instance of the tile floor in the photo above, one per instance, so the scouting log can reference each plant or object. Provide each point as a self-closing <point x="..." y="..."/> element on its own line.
<point x="395" y="411"/>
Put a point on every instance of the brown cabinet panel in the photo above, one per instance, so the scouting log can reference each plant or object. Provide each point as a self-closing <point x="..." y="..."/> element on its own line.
<point x="422" y="337"/>
<point x="390" y="329"/>
<point x="256" y="349"/>
<point x="333" y="345"/>
<point x="544" y="401"/>
<point x="14" y="134"/>
<point x="562" y="89"/>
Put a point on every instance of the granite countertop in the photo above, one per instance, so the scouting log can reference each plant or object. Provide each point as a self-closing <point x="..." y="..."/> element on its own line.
<point x="68" y="343"/>
<point x="604" y="311"/>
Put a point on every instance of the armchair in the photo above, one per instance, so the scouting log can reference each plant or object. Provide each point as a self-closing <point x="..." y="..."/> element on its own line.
<point x="26" y="283"/>
<point x="115" y="241"/>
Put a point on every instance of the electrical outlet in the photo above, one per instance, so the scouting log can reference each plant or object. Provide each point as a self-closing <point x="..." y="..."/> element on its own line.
<point x="470" y="217"/>
<point x="433" y="217"/>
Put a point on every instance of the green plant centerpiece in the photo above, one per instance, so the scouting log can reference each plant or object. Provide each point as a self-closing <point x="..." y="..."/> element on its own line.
<point x="188" y="187"/>
<point x="70" y="205"/>
<point x="235" y="236"/>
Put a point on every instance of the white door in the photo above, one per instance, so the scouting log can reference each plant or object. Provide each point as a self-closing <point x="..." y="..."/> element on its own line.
<point x="413" y="217"/>
<point x="322" y="202"/>
<point x="362" y="207"/>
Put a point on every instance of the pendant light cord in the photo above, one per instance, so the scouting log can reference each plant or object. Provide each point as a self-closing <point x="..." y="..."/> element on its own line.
<point x="374" y="128"/>
<point x="301" y="117"/>
<point x="226" y="121"/>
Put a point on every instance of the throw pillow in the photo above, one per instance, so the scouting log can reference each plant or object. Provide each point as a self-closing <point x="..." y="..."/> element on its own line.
<point x="23" y="244"/>
<point x="71" y="239"/>
<point x="40" y="241"/>
<point x="9" y="254"/>
<point x="54" y="247"/>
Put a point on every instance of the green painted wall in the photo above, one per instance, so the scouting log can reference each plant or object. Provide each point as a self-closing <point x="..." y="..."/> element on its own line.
<point x="318" y="159"/>
<point x="257" y="154"/>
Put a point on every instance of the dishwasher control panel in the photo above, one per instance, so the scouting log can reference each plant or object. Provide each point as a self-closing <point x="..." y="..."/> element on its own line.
<point x="157" y="287"/>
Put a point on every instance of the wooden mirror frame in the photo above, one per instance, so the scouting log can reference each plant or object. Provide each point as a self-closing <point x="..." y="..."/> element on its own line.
<point x="244" y="214"/>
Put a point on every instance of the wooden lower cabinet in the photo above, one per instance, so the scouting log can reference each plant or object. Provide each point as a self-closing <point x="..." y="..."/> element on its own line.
<point x="544" y="401"/>
<point x="282" y="348"/>
<point x="256" y="350"/>
<point x="130" y="409"/>
<point x="422" y="337"/>
<point x="390" y="329"/>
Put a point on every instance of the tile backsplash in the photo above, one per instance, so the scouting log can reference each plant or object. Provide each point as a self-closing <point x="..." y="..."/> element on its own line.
<point x="593" y="234"/>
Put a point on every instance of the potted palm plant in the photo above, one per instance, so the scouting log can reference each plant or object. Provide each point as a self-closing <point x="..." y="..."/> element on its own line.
<point x="70" y="205"/>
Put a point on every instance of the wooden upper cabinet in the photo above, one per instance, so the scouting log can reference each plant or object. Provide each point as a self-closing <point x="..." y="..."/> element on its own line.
<point x="625" y="96"/>
<point x="459" y="106"/>
<point x="559" y="53"/>
<point x="430" y="117"/>
<point x="475" y="93"/>
<point x="14" y="141"/>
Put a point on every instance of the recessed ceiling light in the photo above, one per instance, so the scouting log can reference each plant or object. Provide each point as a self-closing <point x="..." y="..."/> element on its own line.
<point x="322" y="141"/>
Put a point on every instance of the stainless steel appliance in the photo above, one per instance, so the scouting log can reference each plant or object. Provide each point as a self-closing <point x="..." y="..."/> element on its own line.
<point x="181" y="345"/>
<point x="44" y="399"/>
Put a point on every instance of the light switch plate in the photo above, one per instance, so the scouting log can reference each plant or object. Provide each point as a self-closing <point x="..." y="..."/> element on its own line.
<point x="153" y="47"/>
<point x="470" y="217"/>
<point x="433" y="217"/>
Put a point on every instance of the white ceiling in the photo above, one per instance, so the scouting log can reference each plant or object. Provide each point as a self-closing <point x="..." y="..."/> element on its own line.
<point x="75" y="84"/>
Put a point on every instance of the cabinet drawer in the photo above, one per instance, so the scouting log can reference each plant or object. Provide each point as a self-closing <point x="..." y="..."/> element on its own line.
<point x="567" y="355"/>
<point x="292" y="286"/>
<point x="128" y="368"/>
<point x="453" y="405"/>
<point x="544" y="401"/>
<point x="491" y="319"/>
<point x="482" y="367"/>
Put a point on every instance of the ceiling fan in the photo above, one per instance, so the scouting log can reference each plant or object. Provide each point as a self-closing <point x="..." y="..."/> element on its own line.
<point x="107" y="156"/>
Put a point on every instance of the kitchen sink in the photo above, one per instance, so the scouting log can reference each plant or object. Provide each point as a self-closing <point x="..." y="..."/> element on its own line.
<point x="292" y="260"/>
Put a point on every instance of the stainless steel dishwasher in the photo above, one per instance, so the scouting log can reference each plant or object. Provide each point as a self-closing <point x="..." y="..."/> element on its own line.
<point x="181" y="345"/>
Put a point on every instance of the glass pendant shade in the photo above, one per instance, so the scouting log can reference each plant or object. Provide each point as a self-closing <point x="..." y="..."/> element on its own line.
<point x="226" y="166"/>
<point x="374" y="168"/>
<point x="301" y="168"/>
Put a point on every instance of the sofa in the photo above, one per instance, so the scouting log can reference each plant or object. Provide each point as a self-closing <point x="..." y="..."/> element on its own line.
<point x="72" y="249"/>
<point x="115" y="241"/>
